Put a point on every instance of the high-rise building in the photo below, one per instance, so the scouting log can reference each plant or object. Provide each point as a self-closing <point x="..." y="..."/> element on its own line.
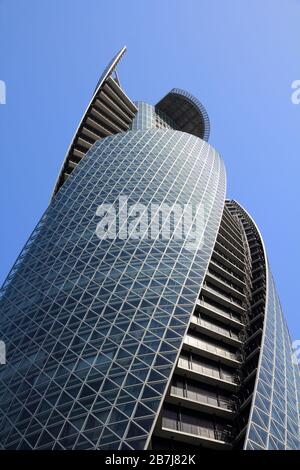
<point x="141" y="313"/>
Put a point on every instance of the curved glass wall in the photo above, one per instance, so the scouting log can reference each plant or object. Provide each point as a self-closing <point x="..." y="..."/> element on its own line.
<point x="274" y="416"/>
<point x="93" y="326"/>
<point x="148" y="117"/>
<point x="274" y="420"/>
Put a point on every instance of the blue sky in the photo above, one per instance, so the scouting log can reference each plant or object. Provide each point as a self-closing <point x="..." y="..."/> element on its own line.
<point x="238" y="57"/>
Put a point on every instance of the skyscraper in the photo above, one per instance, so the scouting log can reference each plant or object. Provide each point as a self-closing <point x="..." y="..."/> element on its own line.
<point x="141" y="313"/>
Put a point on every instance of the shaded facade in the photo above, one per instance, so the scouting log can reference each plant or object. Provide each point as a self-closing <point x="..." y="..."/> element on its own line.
<point x="142" y="342"/>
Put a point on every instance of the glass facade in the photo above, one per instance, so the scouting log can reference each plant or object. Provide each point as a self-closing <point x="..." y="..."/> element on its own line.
<point x="93" y="327"/>
<point x="274" y="421"/>
<point x="148" y="117"/>
<point x="118" y="336"/>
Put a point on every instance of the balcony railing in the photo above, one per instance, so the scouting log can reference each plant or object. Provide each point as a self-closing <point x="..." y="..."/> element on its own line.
<point x="197" y="430"/>
<point x="221" y="293"/>
<point x="219" y="311"/>
<point x="232" y="247"/>
<point x="216" y="263"/>
<point x="225" y="282"/>
<point x="217" y="329"/>
<point x="199" y="344"/>
<point x="205" y="370"/>
<point x="228" y="260"/>
<point x="203" y="399"/>
<point x="235" y="259"/>
<point x="231" y="236"/>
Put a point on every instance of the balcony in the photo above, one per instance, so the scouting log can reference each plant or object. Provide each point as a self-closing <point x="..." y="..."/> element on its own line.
<point x="204" y="375"/>
<point x="232" y="247"/>
<point x="226" y="285"/>
<point x="197" y="435"/>
<point x="226" y="261"/>
<point x="215" y="331"/>
<point x="230" y="255"/>
<point x="228" y="234"/>
<point x="202" y="403"/>
<point x="213" y="352"/>
<point x="228" y="222"/>
<point x="227" y="273"/>
<point x="226" y="317"/>
<point x="220" y="297"/>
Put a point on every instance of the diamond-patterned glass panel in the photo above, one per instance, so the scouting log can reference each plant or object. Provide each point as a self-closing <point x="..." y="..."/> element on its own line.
<point x="93" y="327"/>
<point x="148" y="117"/>
<point x="274" y="421"/>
